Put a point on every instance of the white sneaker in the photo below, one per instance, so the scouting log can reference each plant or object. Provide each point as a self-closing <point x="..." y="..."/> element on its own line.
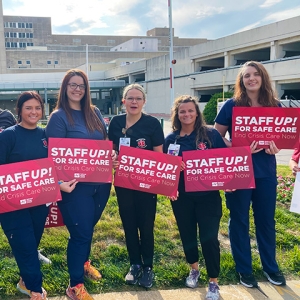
<point x="192" y="280"/>
<point x="213" y="291"/>
<point x="43" y="258"/>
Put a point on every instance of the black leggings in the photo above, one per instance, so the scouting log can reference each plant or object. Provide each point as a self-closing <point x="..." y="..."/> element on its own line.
<point x="206" y="211"/>
<point x="137" y="210"/>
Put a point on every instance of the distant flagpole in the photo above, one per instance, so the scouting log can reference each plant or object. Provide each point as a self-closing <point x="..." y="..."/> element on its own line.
<point x="171" y="54"/>
<point x="87" y="59"/>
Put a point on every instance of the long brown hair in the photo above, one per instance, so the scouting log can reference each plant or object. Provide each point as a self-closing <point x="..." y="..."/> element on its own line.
<point x="91" y="118"/>
<point x="267" y="96"/>
<point x="200" y="125"/>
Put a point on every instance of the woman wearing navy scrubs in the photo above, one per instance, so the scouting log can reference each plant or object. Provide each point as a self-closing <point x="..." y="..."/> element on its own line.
<point x="76" y="117"/>
<point x="253" y="89"/>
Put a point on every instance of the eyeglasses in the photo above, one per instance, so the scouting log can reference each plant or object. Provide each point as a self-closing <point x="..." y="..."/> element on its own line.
<point x="136" y="99"/>
<point x="74" y="86"/>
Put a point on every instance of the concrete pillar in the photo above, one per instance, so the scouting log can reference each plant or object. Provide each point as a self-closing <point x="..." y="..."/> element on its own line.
<point x="229" y="60"/>
<point x="276" y="51"/>
<point x="277" y="88"/>
<point x="2" y="43"/>
<point x="131" y="78"/>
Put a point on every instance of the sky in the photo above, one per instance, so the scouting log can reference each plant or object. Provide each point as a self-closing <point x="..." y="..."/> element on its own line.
<point x="191" y="18"/>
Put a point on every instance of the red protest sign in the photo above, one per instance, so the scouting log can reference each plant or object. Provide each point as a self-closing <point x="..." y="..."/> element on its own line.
<point x="218" y="169"/>
<point x="148" y="171"/>
<point x="85" y="160"/>
<point x="265" y="124"/>
<point x="26" y="184"/>
<point x="54" y="218"/>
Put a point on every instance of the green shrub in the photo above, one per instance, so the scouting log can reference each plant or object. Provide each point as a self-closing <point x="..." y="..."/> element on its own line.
<point x="210" y="110"/>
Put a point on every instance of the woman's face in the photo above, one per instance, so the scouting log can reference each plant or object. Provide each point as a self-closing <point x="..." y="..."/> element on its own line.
<point x="134" y="102"/>
<point x="187" y="113"/>
<point x="75" y="91"/>
<point x="31" y="113"/>
<point x="251" y="79"/>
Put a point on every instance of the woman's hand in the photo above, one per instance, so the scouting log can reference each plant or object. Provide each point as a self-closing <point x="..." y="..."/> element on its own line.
<point x="174" y="198"/>
<point x="273" y="149"/>
<point x="182" y="166"/>
<point x="295" y="170"/>
<point x="68" y="186"/>
<point x="114" y="158"/>
<point x="253" y="147"/>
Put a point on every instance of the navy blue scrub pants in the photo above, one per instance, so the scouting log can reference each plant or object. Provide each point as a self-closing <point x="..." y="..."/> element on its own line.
<point x="81" y="210"/>
<point x="206" y="212"/>
<point x="263" y="199"/>
<point x="24" y="229"/>
<point x="137" y="211"/>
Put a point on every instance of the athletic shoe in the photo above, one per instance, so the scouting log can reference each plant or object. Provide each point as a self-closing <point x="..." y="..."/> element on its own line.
<point x="192" y="280"/>
<point x="147" y="278"/>
<point x="22" y="288"/>
<point x="248" y="280"/>
<point x="43" y="258"/>
<point x="34" y="296"/>
<point x="213" y="291"/>
<point x="39" y="296"/>
<point x="135" y="272"/>
<point x="91" y="271"/>
<point x="275" y="278"/>
<point x="78" y="292"/>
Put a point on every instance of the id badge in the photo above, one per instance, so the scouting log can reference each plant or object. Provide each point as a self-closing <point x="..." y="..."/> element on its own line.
<point x="173" y="149"/>
<point x="124" y="141"/>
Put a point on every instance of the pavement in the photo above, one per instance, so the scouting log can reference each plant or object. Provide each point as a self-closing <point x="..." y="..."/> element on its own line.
<point x="227" y="292"/>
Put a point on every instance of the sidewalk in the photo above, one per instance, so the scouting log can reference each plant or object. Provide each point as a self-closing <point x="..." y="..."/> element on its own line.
<point x="227" y="292"/>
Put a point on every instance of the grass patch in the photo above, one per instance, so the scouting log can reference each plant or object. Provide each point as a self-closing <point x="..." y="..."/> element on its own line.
<point x="109" y="252"/>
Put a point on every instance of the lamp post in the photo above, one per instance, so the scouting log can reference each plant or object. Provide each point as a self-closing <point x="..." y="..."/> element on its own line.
<point x="171" y="54"/>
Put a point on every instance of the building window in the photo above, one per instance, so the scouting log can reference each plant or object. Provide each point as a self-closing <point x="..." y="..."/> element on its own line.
<point x="29" y="44"/>
<point x="19" y="62"/>
<point x="13" y="25"/>
<point x="27" y="62"/>
<point x="7" y="44"/>
<point x="29" y="35"/>
<point x="21" y="35"/>
<point x="6" y="24"/>
<point x="111" y="42"/>
<point x="6" y="34"/>
<point x="22" y="45"/>
<point x="28" y="25"/>
<point x="13" y="45"/>
<point x="48" y="62"/>
<point x="13" y="34"/>
<point x="56" y="62"/>
<point x="21" y="25"/>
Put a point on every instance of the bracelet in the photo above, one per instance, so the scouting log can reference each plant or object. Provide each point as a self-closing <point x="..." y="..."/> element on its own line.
<point x="60" y="181"/>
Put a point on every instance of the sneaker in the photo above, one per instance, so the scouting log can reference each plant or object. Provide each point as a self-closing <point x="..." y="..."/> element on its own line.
<point x="192" y="280"/>
<point x="135" y="272"/>
<point x="275" y="278"/>
<point x="91" y="271"/>
<point x="248" y="280"/>
<point x="213" y="291"/>
<point x="78" y="292"/>
<point x="39" y="296"/>
<point x="43" y="258"/>
<point x="22" y="288"/>
<point x="147" y="278"/>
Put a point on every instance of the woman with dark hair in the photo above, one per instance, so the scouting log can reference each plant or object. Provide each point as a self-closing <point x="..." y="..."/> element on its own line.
<point x="196" y="208"/>
<point x="24" y="227"/>
<point x="253" y="89"/>
<point x="137" y="209"/>
<point x="75" y="117"/>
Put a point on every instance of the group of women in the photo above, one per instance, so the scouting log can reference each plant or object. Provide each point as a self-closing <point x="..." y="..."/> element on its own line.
<point x="76" y="117"/>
